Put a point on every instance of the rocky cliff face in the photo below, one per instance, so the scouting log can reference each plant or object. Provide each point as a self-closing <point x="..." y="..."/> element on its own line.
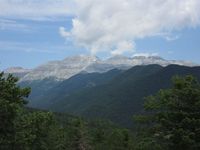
<point x="61" y="70"/>
<point x="70" y="66"/>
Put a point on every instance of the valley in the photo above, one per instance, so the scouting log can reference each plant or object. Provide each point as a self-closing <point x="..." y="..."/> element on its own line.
<point x="115" y="93"/>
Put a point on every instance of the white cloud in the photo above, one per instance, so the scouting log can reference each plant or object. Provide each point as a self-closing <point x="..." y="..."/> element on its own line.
<point x="145" y="54"/>
<point x="108" y="25"/>
<point x="63" y="32"/>
<point x="123" y="47"/>
<point x="36" y="9"/>
<point x="102" y="25"/>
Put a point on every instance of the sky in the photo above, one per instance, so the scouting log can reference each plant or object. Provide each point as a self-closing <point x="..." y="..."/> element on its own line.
<point x="33" y="32"/>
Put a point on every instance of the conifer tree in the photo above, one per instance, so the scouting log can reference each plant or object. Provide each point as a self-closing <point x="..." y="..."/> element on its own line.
<point x="174" y="115"/>
<point x="12" y="99"/>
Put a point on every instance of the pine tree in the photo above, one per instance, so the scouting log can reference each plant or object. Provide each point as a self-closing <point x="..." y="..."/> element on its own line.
<point x="174" y="115"/>
<point x="12" y="98"/>
<point x="81" y="137"/>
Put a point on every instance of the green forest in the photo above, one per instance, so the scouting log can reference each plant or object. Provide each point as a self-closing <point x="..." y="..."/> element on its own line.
<point x="170" y="121"/>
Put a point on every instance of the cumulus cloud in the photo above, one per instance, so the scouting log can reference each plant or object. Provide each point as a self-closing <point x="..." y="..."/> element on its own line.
<point x="109" y="25"/>
<point x="63" y="32"/>
<point x="36" y="9"/>
<point x="123" y="47"/>
<point x="114" y="25"/>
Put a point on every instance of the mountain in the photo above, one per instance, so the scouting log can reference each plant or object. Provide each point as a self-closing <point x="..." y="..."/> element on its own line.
<point x="70" y="66"/>
<point x="125" y="63"/>
<point x="60" y="70"/>
<point x="123" y="96"/>
<point x="113" y="88"/>
<point x="143" y="60"/>
<point x="45" y="92"/>
<point x="38" y="88"/>
<point x="17" y="71"/>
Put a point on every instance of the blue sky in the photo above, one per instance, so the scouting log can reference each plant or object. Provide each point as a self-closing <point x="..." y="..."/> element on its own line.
<point x="30" y="36"/>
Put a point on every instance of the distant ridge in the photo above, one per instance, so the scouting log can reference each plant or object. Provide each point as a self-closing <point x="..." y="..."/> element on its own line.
<point x="17" y="71"/>
<point x="70" y="66"/>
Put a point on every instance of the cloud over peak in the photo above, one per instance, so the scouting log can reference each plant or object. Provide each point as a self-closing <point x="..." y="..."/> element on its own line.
<point x="106" y="25"/>
<point x="113" y="25"/>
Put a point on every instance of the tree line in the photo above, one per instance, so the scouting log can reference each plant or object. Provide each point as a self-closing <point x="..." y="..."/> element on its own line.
<point x="170" y="121"/>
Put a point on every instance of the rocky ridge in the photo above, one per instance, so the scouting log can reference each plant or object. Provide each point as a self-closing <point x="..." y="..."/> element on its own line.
<point x="70" y="66"/>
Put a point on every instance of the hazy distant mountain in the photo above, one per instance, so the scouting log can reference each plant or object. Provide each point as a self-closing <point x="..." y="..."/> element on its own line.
<point x="17" y="71"/>
<point x="144" y="60"/>
<point x="61" y="70"/>
<point x="70" y="66"/>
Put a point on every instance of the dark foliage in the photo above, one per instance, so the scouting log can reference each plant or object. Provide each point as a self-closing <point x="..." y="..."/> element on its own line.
<point x="30" y="129"/>
<point x="174" y="115"/>
<point x="123" y="96"/>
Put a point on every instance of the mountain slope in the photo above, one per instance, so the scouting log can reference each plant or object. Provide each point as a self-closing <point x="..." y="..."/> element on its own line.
<point x="60" y="70"/>
<point x="122" y="97"/>
<point x="38" y="88"/>
<point x="45" y="92"/>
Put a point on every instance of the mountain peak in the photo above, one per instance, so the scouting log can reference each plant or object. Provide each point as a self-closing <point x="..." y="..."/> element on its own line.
<point x="73" y="65"/>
